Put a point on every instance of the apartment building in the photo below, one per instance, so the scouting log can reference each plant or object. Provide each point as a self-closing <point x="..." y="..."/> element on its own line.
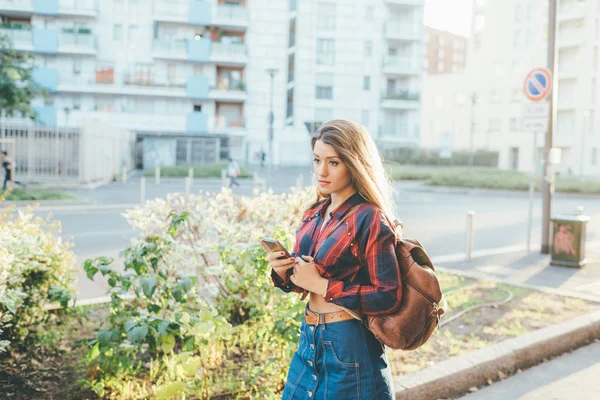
<point x="445" y="52"/>
<point x="191" y="78"/>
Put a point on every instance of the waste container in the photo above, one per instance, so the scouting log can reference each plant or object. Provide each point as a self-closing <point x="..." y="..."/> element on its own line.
<point x="568" y="240"/>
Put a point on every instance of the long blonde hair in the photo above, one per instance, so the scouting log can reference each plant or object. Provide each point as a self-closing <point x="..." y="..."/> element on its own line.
<point x="358" y="151"/>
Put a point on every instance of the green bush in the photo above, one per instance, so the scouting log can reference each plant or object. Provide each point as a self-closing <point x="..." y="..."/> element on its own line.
<point x="35" y="270"/>
<point x="227" y="332"/>
<point x="200" y="171"/>
<point x="415" y="156"/>
<point x="38" y="194"/>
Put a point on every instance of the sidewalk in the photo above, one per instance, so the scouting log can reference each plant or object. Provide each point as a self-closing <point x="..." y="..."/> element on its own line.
<point x="571" y="376"/>
<point x="521" y="268"/>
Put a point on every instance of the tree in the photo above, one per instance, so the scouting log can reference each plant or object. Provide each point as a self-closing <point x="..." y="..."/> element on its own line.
<point x="17" y="87"/>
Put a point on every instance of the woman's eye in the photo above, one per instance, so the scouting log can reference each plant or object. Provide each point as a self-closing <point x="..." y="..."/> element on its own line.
<point x="333" y="163"/>
<point x="316" y="161"/>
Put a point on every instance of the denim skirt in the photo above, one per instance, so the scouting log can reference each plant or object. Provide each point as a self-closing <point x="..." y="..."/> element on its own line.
<point x="339" y="360"/>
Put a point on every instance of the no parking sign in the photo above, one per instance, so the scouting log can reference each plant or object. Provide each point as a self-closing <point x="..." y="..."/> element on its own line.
<point x="538" y="84"/>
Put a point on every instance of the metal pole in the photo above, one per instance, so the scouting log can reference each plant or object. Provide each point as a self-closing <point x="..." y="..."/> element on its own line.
<point x="142" y="189"/>
<point x="188" y="185"/>
<point x="583" y="133"/>
<point x="532" y="191"/>
<point x="472" y="136"/>
<point x="547" y="208"/>
<point x="271" y="72"/>
<point x="470" y="236"/>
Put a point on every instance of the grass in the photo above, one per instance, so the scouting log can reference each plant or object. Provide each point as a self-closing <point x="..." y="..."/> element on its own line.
<point x="200" y="171"/>
<point x="485" y="178"/>
<point x="38" y="194"/>
<point x="528" y="310"/>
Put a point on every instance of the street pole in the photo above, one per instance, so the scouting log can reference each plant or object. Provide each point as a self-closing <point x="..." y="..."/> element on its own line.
<point x="584" y="129"/>
<point x="472" y="136"/>
<point x="272" y="72"/>
<point x="532" y="191"/>
<point x="547" y="187"/>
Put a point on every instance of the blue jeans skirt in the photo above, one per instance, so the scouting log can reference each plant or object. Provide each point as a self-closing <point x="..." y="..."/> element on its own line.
<point x="338" y="360"/>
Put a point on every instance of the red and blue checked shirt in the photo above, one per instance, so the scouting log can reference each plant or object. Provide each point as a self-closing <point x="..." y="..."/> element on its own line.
<point x="358" y="259"/>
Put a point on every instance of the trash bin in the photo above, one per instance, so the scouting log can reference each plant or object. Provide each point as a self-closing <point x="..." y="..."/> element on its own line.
<point x="568" y="240"/>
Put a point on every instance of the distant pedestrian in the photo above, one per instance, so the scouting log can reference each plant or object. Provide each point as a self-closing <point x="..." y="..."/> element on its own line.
<point x="233" y="171"/>
<point x="263" y="157"/>
<point x="8" y="167"/>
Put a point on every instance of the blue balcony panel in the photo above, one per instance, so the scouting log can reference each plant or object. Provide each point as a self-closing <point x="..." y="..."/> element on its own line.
<point x="46" y="115"/>
<point x="196" y="122"/>
<point x="197" y="87"/>
<point x="45" y="40"/>
<point x="199" y="13"/>
<point x="46" y="78"/>
<point x="199" y="50"/>
<point x="45" y="7"/>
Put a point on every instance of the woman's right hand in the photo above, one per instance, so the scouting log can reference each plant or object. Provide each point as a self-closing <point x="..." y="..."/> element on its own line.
<point x="280" y="265"/>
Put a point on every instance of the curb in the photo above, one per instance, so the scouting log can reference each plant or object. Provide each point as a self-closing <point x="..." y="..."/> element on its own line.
<point x="457" y="375"/>
<point x="45" y="203"/>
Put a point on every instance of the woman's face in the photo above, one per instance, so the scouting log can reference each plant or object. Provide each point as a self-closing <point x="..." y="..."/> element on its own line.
<point x="331" y="173"/>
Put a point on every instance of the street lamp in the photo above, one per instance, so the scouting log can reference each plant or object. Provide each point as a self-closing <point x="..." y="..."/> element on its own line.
<point x="271" y="72"/>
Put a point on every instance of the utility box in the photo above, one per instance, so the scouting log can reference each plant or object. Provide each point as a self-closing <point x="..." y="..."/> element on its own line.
<point x="568" y="240"/>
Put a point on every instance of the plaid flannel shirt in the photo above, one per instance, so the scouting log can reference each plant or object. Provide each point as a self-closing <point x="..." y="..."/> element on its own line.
<point x="358" y="259"/>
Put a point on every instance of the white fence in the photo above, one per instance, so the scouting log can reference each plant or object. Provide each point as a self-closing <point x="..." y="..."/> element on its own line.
<point x="96" y="152"/>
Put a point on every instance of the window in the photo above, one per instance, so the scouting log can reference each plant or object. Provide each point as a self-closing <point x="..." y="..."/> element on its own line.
<point x="324" y="83"/>
<point x="118" y="32"/>
<point x="132" y="33"/>
<point x="323" y="114"/>
<point x="370" y="13"/>
<point x="441" y="52"/>
<point x="530" y="10"/>
<point x="197" y="108"/>
<point x="440" y="66"/>
<point x="518" y="14"/>
<point x="495" y="124"/>
<point x="326" y="16"/>
<point x="368" y="48"/>
<point x="441" y="41"/>
<point x="291" y="67"/>
<point x="290" y="103"/>
<point x="76" y="66"/>
<point x="367" y="83"/>
<point x="325" y="50"/>
<point x="514" y="124"/>
<point x="76" y="102"/>
<point x="292" y="40"/>
<point x="365" y="117"/>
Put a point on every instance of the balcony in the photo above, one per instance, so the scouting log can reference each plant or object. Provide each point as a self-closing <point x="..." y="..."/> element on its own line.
<point x="229" y="92"/>
<point x="194" y="12"/>
<point x="570" y="11"/>
<point x="229" y="54"/>
<point x="182" y="49"/>
<point x="20" y="35"/>
<point x="400" y="133"/>
<point x="80" y="42"/>
<point x="406" y="3"/>
<point x="402" y="32"/>
<point x="401" y="100"/>
<point x="402" y="66"/>
<point x="27" y="8"/>
<point x="231" y="17"/>
<point x="570" y="38"/>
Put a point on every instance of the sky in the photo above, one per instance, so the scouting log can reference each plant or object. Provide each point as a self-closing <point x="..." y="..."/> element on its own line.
<point x="449" y="15"/>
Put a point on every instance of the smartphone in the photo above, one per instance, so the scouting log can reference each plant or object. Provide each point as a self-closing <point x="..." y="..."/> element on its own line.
<point x="270" y="244"/>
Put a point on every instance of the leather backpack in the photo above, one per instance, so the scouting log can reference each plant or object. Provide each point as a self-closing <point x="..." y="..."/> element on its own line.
<point x="418" y="315"/>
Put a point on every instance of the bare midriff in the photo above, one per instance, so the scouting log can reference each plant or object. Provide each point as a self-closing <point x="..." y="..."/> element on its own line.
<point x="318" y="304"/>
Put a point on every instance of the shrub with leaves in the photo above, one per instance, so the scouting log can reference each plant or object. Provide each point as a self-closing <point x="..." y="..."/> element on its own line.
<point x="226" y="332"/>
<point x="35" y="270"/>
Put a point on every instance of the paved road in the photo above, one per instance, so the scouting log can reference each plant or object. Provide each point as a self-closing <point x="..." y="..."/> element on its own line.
<point x="568" y="377"/>
<point x="437" y="217"/>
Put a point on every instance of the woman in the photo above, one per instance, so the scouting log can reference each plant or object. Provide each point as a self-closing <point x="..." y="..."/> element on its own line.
<point x="353" y="268"/>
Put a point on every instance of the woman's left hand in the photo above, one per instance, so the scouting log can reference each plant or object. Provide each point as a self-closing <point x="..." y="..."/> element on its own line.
<point x="306" y="275"/>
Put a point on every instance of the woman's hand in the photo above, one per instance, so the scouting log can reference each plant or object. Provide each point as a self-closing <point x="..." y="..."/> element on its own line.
<point x="306" y="275"/>
<point x="280" y="265"/>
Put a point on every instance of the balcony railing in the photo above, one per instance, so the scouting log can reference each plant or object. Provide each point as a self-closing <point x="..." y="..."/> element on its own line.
<point x="223" y="84"/>
<point x="229" y="49"/>
<point x="171" y="45"/>
<point x="402" y="95"/>
<point x="77" y="6"/>
<point x="402" y="62"/>
<point x="17" y="5"/>
<point x="398" y="29"/>
<point x="77" y="39"/>
<point x="233" y="12"/>
<point x="19" y="34"/>
<point x="171" y="9"/>
<point x="154" y="80"/>
<point x="222" y="122"/>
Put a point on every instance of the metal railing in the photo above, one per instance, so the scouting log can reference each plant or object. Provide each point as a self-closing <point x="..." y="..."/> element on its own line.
<point x="78" y="6"/>
<point x="402" y="61"/>
<point x="22" y="5"/>
<point x="402" y="95"/>
<point x="400" y="29"/>
<point x="82" y="40"/>
<point x="170" y="45"/>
